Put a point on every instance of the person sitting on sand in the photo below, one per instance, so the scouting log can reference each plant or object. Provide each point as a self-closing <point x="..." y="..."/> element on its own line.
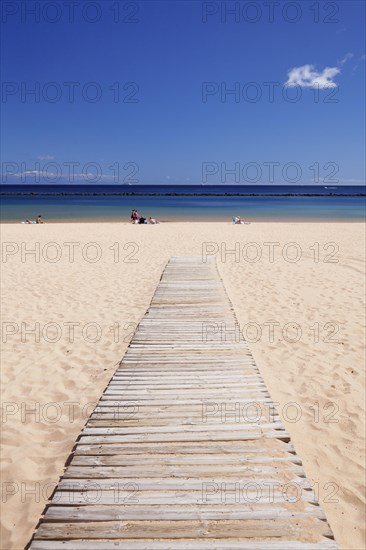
<point x="39" y="219"/>
<point x="153" y="220"/>
<point x="135" y="216"/>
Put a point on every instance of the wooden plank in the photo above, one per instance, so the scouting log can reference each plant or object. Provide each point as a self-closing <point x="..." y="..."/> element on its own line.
<point x="177" y="513"/>
<point x="226" y="529"/>
<point x="209" y="415"/>
<point x="138" y="394"/>
<point x="207" y="447"/>
<point x="183" y="384"/>
<point x="165" y="460"/>
<point x="159" y="401"/>
<point x="188" y="437"/>
<point x="213" y="409"/>
<point x="181" y="379"/>
<point x="118" y="420"/>
<point x="179" y="471"/>
<point x="130" y="497"/>
<point x="144" y="386"/>
<point x="185" y="429"/>
<point x="265" y="487"/>
<point x="188" y="544"/>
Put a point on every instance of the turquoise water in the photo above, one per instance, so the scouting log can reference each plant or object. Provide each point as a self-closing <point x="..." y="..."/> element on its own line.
<point x="261" y="203"/>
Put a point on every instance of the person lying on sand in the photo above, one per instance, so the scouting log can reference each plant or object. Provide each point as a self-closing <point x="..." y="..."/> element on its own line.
<point x="239" y="220"/>
<point x="153" y="220"/>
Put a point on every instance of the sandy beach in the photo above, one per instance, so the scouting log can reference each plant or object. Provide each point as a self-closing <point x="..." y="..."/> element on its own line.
<point x="70" y="308"/>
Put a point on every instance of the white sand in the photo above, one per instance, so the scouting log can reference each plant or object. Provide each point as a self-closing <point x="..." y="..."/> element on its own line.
<point x="324" y="379"/>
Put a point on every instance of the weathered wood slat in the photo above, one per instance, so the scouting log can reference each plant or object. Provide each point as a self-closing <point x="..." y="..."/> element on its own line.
<point x="176" y="513"/>
<point x="188" y="544"/>
<point x="177" y="471"/>
<point x="193" y="499"/>
<point x="188" y="437"/>
<point x="182" y="380"/>
<point x="201" y="390"/>
<point x="203" y="416"/>
<point x="207" y="447"/>
<point x="165" y="460"/>
<point x="143" y="386"/>
<point x="121" y="420"/>
<point x="226" y="529"/>
<point x="184" y="450"/>
<point x="266" y="486"/>
<point x="147" y="405"/>
<point x="200" y="393"/>
<point x="159" y="401"/>
<point x="173" y="429"/>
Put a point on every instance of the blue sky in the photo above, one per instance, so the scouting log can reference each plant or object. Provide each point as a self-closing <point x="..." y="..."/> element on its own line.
<point x="167" y="124"/>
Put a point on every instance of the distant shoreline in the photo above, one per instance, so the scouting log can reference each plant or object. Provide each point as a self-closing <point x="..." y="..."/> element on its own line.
<point x="171" y="194"/>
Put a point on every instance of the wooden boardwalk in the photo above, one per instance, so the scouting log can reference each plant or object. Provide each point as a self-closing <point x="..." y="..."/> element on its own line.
<point x="184" y="449"/>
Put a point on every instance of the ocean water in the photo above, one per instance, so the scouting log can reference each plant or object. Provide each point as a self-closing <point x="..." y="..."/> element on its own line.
<point x="182" y="202"/>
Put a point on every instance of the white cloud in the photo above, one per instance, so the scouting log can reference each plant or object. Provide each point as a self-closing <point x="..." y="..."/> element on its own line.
<point x="345" y="59"/>
<point x="45" y="157"/>
<point x="362" y="58"/>
<point x="307" y="77"/>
